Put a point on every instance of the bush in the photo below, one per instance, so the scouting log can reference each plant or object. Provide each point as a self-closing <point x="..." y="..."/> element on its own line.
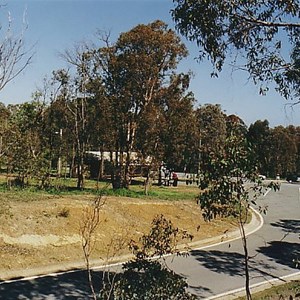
<point x="146" y="278"/>
<point x="149" y="280"/>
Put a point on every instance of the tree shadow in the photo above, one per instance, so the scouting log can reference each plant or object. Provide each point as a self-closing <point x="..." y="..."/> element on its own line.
<point x="199" y="291"/>
<point x="288" y="226"/>
<point x="64" y="286"/>
<point x="72" y="285"/>
<point x="282" y="252"/>
<point x="231" y="264"/>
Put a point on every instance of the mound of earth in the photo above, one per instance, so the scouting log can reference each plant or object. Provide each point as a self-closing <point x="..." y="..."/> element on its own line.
<point x="38" y="235"/>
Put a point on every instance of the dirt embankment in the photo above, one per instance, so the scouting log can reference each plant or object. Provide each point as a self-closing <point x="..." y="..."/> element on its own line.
<point x="43" y="233"/>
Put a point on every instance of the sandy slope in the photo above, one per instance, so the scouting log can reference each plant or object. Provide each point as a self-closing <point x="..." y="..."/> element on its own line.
<point x="47" y="232"/>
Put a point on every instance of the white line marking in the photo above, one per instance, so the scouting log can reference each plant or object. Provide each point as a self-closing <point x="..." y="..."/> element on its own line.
<point x="258" y="215"/>
<point x="267" y="192"/>
<point x="285" y="278"/>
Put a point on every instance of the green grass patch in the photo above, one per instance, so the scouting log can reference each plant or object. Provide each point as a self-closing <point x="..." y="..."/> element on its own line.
<point x="67" y="187"/>
<point x="172" y="194"/>
<point x="23" y="195"/>
<point x="160" y="193"/>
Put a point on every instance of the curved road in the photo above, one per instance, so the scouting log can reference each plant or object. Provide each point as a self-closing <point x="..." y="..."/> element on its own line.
<point x="216" y="270"/>
<point x="210" y="272"/>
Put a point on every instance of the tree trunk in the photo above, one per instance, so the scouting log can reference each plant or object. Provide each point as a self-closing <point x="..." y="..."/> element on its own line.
<point x="148" y="182"/>
<point x="246" y="259"/>
<point x="121" y="176"/>
<point x="159" y="175"/>
<point x="72" y="165"/>
<point x="101" y="165"/>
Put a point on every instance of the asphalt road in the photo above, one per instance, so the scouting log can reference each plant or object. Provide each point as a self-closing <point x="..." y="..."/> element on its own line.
<point x="211" y="271"/>
<point x="272" y="249"/>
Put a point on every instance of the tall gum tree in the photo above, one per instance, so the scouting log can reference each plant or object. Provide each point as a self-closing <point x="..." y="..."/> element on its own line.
<point x="259" y="137"/>
<point x="79" y="102"/>
<point x="166" y="128"/>
<point x="135" y="70"/>
<point x="211" y="126"/>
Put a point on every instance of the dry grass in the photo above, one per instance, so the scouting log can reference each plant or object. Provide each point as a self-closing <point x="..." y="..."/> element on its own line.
<point x="47" y="232"/>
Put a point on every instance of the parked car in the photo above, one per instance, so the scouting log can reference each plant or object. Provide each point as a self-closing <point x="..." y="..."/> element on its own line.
<point x="293" y="178"/>
<point x="262" y="177"/>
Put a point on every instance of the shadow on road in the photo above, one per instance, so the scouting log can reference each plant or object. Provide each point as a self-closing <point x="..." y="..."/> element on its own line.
<point x="199" y="291"/>
<point x="67" y="286"/>
<point x="282" y="252"/>
<point x="288" y="226"/>
<point x="230" y="263"/>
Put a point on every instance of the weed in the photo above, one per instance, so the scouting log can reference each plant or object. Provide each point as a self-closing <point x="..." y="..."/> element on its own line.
<point x="64" y="213"/>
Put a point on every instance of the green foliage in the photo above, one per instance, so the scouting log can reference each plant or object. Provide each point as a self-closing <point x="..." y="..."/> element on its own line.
<point x="139" y="76"/>
<point x="223" y="180"/>
<point x="276" y="149"/>
<point x="225" y="192"/>
<point x="256" y="34"/>
<point x="178" y="139"/>
<point x="162" y="239"/>
<point x="284" y="151"/>
<point x="211" y="122"/>
<point x="25" y="151"/>
<point x="145" y="277"/>
<point x="259" y="137"/>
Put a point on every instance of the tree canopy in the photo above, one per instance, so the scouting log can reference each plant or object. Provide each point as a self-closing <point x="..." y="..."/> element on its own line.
<point x="261" y="37"/>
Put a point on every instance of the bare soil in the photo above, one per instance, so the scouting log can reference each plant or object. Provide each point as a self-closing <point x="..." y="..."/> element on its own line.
<point x="39" y="234"/>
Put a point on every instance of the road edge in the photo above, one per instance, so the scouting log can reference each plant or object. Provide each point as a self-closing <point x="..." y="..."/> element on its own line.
<point x="55" y="270"/>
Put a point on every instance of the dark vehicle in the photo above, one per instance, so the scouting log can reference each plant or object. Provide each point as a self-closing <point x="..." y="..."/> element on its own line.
<point x="292" y="178"/>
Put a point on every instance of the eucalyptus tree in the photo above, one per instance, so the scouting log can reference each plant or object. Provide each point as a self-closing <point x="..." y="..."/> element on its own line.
<point x="166" y="128"/>
<point x="179" y="134"/>
<point x="134" y="70"/>
<point x="259" y="137"/>
<point x="77" y="95"/>
<point x="26" y="154"/>
<point x="283" y="152"/>
<point x="211" y="125"/>
<point x="294" y="133"/>
<point x="58" y="125"/>
<point x="224" y="192"/>
<point x="292" y="75"/>
<point x="77" y="104"/>
<point x="297" y="141"/>
<point x="99" y="125"/>
<point x="257" y="35"/>
<point x="4" y="116"/>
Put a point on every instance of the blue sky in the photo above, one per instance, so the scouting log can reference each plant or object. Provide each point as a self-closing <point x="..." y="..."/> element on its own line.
<point x="56" y="25"/>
